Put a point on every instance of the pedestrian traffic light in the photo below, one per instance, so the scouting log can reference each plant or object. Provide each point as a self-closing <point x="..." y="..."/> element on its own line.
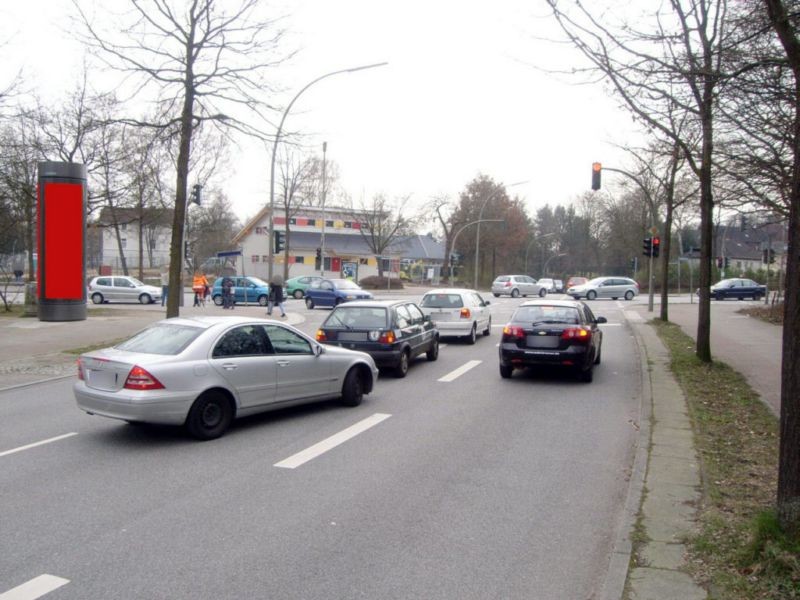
<point x="771" y="256"/>
<point x="318" y="259"/>
<point x="197" y="194"/>
<point x="647" y="246"/>
<point x="597" y="168"/>
<point x="656" y="246"/>
<point x="279" y="241"/>
<point x="765" y="256"/>
<point x="726" y="261"/>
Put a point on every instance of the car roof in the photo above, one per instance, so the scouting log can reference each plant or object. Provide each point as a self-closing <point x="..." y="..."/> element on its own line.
<point x="452" y="291"/>
<point x="207" y="322"/>
<point x="560" y="303"/>
<point x="373" y="303"/>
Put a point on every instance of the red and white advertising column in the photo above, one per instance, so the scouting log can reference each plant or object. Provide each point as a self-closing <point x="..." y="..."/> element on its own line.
<point x="61" y="235"/>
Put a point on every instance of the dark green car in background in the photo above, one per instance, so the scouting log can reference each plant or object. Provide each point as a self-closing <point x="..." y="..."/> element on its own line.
<point x="297" y="286"/>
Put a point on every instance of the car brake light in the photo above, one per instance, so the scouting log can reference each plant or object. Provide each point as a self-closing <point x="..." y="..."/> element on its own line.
<point x="80" y="369"/>
<point x="513" y="332"/>
<point x="577" y="334"/>
<point x="321" y="336"/>
<point x="139" y="379"/>
<point x="465" y="314"/>
<point x="387" y="338"/>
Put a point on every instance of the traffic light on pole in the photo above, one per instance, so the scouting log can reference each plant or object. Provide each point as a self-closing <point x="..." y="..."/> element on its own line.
<point x="197" y="194"/>
<point x="597" y="168"/>
<point x="279" y="241"/>
<point x="656" y="246"/>
<point x="726" y="261"/>
<point x="647" y="246"/>
<point x="318" y="259"/>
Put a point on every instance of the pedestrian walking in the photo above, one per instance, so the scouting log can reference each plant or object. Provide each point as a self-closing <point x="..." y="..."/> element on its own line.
<point x="164" y="284"/>
<point x="227" y="293"/>
<point x="276" y="296"/>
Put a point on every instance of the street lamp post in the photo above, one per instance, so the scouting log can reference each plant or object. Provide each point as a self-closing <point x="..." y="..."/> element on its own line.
<point x="547" y="262"/>
<point x="535" y="239"/>
<point x="501" y="188"/>
<point x="455" y="237"/>
<point x="322" y="239"/>
<point x="275" y="150"/>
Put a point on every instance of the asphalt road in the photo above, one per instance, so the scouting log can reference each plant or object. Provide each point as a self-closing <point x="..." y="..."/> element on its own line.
<point x="475" y="487"/>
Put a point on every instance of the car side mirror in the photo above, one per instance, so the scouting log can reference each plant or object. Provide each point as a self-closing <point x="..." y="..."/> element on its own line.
<point x="486" y="302"/>
<point x="318" y="349"/>
<point x="601" y="320"/>
<point x="426" y="318"/>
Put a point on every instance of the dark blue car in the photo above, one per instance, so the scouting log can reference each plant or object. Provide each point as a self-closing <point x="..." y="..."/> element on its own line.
<point x="332" y="292"/>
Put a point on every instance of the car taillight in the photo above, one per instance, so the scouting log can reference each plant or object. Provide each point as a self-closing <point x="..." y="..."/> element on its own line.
<point x="387" y="337"/>
<point x="512" y="333"/>
<point x="580" y="335"/>
<point x="80" y="369"/>
<point x="465" y="314"/>
<point x="139" y="379"/>
<point x="321" y="337"/>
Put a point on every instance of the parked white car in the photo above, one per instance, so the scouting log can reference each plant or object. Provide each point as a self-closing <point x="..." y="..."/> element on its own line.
<point x="516" y="286"/>
<point x="121" y="288"/>
<point x="606" y="287"/>
<point x="458" y="312"/>
<point x="549" y="284"/>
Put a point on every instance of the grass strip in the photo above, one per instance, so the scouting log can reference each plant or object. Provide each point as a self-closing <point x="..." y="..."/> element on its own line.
<point x="739" y="552"/>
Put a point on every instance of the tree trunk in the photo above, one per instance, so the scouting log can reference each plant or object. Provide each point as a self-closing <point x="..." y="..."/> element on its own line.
<point x="703" y="348"/>
<point x="666" y="244"/>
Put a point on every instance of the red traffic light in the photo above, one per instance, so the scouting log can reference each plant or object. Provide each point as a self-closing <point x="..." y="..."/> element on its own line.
<point x="597" y="167"/>
<point x="596" y="171"/>
<point x="656" y="246"/>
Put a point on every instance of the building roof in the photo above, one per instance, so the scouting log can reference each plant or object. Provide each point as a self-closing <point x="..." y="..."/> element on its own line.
<point x="149" y="216"/>
<point x="415" y="247"/>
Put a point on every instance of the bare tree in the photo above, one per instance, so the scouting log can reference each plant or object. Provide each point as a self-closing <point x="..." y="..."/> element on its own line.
<point x="382" y="222"/>
<point x="207" y="62"/>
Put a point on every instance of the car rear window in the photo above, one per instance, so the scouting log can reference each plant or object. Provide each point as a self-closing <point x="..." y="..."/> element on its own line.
<point x="546" y="314"/>
<point x="357" y="317"/>
<point x="502" y="279"/>
<point x="161" y="339"/>
<point x="442" y="301"/>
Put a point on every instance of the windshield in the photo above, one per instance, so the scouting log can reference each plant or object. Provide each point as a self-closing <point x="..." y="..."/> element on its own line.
<point x="355" y="317"/>
<point x="596" y="281"/>
<point x="161" y="339"/>
<point x="344" y="284"/>
<point x="258" y="282"/>
<point x="442" y="301"/>
<point x="135" y="282"/>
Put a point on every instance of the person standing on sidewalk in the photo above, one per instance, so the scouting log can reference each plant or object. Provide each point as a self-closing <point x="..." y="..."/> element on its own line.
<point x="276" y="295"/>
<point x="227" y="293"/>
<point x="164" y="284"/>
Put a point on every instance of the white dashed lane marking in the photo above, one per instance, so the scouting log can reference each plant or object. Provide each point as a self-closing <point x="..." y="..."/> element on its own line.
<point x="460" y="371"/>
<point x="35" y="588"/>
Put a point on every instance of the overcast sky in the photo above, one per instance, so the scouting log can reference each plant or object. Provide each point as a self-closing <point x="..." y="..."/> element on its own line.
<point x="461" y="95"/>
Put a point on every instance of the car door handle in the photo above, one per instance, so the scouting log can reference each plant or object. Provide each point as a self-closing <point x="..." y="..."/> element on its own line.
<point x="230" y="366"/>
<point x="283" y="363"/>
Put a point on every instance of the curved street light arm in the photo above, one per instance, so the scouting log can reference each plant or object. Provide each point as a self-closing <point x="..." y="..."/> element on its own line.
<point x="455" y="237"/>
<point x="275" y="150"/>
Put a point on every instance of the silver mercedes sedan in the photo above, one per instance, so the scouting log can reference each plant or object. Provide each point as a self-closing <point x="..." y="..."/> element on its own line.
<point x="203" y="372"/>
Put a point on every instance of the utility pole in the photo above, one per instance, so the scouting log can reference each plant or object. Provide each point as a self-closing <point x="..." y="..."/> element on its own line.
<point x="322" y="241"/>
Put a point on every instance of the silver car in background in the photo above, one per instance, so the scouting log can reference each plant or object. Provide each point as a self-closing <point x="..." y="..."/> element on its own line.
<point x="516" y="286"/>
<point x="121" y="288"/>
<point x="204" y="372"/>
<point x="458" y="312"/>
<point x="605" y="287"/>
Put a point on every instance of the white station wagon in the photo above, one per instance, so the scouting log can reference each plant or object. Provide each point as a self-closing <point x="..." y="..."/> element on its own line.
<point x="458" y="312"/>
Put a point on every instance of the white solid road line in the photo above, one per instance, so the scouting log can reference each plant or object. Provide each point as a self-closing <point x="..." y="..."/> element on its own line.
<point x="460" y="371"/>
<point x="314" y="451"/>
<point x="35" y="588"/>
<point x="21" y="448"/>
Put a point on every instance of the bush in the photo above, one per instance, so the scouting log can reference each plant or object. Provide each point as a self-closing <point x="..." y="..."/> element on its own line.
<point x="380" y="283"/>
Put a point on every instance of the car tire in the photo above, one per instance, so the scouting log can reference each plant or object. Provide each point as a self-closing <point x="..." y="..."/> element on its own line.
<point x="309" y="303"/>
<point x="515" y="293"/>
<point x="542" y="293"/>
<point x="473" y="335"/>
<point x="217" y="300"/>
<point x="597" y="356"/>
<point x="629" y="295"/>
<point x="353" y="388"/>
<point x="496" y="295"/>
<point x="433" y="352"/>
<point x="488" y="330"/>
<point x="587" y="375"/>
<point x="338" y="302"/>
<point x="506" y="371"/>
<point x="298" y="294"/>
<point x="591" y="295"/>
<point x="210" y="416"/>
<point x="145" y="299"/>
<point x="97" y="298"/>
<point x="262" y="300"/>
<point x="401" y="369"/>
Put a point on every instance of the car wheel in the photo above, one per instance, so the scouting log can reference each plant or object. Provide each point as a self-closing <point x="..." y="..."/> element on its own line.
<point x="433" y="352"/>
<point x="298" y="294"/>
<point x="515" y="293"/>
<point x="145" y="299"/>
<point x="473" y="335"/>
<point x="217" y="300"/>
<point x="97" y="298"/>
<point x="353" y="388"/>
<point x="496" y="295"/>
<point x="542" y="293"/>
<point x="629" y="295"/>
<point x="401" y="370"/>
<point x="210" y="416"/>
<point x="488" y="329"/>
<point x="506" y="371"/>
<point x="587" y="375"/>
<point x="309" y="303"/>
<point x="338" y="302"/>
<point x="262" y="300"/>
<point x="591" y="295"/>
